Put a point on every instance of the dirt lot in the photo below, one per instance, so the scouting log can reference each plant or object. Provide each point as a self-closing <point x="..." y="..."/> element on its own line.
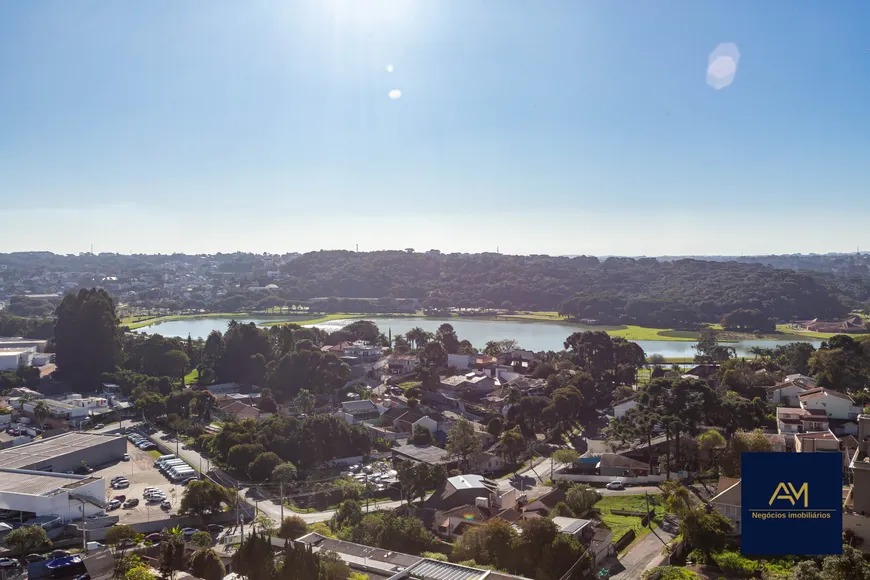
<point x="141" y="473"/>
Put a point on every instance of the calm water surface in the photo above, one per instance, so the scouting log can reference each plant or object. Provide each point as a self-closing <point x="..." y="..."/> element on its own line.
<point x="530" y="335"/>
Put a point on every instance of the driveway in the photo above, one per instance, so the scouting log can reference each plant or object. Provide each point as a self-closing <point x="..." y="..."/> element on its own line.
<point x="647" y="553"/>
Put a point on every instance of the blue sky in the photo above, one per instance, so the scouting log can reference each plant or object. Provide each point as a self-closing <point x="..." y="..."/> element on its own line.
<point x="563" y="127"/>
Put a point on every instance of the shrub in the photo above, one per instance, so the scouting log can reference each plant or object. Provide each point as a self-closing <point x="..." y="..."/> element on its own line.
<point x="670" y="573"/>
<point x="736" y="564"/>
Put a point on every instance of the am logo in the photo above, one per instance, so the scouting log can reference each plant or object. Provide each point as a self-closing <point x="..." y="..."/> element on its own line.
<point x="791" y="503"/>
<point x="788" y="492"/>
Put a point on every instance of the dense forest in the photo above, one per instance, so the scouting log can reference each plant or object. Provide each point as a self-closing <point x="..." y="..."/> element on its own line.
<point x="646" y="291"/>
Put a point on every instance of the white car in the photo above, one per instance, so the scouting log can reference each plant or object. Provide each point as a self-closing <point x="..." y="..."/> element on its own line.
<point x="615" y="485"/>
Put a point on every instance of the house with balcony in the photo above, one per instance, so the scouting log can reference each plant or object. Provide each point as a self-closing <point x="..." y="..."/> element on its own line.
<point x="728" y="502"/>
<point x="399" y="364"/>
<point x="856" y="507"/>
<point x="362" y="350"/>
<point x="791" y="420"/>
<point x="840" y="409"/>
<point x="356" y="412"/>
<point x="788" y="391"/>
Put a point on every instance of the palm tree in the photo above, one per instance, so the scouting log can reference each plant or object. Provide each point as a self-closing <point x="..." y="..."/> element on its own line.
<point x="41" y="412"/>
<point x="418" y="336"/>
<point x="756" y="350"/>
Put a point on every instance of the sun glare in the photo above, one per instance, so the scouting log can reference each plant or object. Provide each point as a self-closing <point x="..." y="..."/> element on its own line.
<point x="371" y="12"/>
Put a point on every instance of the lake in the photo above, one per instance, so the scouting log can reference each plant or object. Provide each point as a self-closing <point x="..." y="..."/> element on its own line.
<point x="531" y="335"/>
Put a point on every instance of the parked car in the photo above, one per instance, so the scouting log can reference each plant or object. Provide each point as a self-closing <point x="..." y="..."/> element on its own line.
<point x="154" y="538"/>
<point x="121" y="484"/>
<point x="31" y="558"/>
<point x="188" y="480"/>
<point x="99" y="426"/>
<point x="120" y="497"/>
<point x="95" y="546"/>
<point x="615" y="485"/>
<point x="7" y="563"/>
<point x="132" y="502"/>
<point x="214" y="528"/>
<point x="126" y="457"/>
<point x="166" y="504"/>
<point x="114" y="504"/>
<point x="59" y="554"/>
<point x="188" y="532"/>
<point x="117" y="478"/>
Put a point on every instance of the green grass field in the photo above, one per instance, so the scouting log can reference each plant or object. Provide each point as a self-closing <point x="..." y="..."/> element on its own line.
<point x="191" y="377"/>
<point x="620" y="524"/>
<point x="408" y="384"/>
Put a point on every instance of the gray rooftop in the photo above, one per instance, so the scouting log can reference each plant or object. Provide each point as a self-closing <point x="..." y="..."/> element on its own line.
<point x="424" y="453"/>
<point x="570" y="525"/>
<point x="470" y="481"/>
<point x="435" y="570"/>
<point x="37" y="482"/>
<point x="47" y="449"/>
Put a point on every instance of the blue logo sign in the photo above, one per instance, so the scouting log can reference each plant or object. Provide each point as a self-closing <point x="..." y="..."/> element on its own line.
<point x="792" y="503"/>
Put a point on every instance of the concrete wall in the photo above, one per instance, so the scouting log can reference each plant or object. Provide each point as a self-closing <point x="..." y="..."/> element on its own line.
<point x="58" y="504"/>
<point x="607" y="479"/>
<point x="860" y="526"/>
<point x="112" y="449"/>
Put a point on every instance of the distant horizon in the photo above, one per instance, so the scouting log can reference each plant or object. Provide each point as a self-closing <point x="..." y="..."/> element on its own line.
<point x="421" y="251"/>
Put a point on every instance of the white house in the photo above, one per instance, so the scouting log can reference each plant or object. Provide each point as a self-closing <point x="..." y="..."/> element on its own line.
<point x="362" y="349"/>
<point x="787" y="392"/>
<point x="790" y="420"/>
<point x="728" y="502"/>
<point x="834" y="405"/>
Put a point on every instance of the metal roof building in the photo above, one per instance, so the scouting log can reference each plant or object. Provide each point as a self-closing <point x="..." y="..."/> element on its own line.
<point x="51" y="494"/>
<point x="64" y="452"/>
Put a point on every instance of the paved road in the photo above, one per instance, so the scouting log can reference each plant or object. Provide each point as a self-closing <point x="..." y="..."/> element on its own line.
<point x="647" y="553"/>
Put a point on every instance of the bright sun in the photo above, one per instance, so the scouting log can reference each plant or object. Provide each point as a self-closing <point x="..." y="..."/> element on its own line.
<point x="369" y="12"/>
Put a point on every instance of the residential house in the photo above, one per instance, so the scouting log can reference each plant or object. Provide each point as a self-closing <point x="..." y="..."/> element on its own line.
<point x="355" y="412"/>
<point x="362" y="350"/>
<point x="400" y="364"/>
<point x="456" y="521"/>
<point x="791" y="420"/>
<point x="522" y="358"/>
<point x="856" y="515"/>
<point x="240" y="411"/>
<point x="473" y="361"/>
<point x="542" y="506"/>
<point x="464" y="490"/>
<point x="813" y="442"/>
<point x="788" y="391"/>
<point x="840" y="409"/>
<point x="613" y="465"/>
<point x="477" y="382"/>
<point x="622" y="407"/>
<point x="428" y="454"/>
<point x="728" y="502"/>
<point x="777" y="442"/>
<point x="336" y="349"/>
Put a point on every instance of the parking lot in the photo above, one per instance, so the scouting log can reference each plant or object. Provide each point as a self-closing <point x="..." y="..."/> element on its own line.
<point x="141" y="473"/>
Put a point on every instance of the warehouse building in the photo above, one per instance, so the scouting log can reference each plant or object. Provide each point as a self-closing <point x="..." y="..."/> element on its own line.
<point x="65" y="452"/>
<point x="54" y="495"/>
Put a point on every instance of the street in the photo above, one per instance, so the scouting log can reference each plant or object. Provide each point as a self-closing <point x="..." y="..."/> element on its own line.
<point x="648" y="552"/>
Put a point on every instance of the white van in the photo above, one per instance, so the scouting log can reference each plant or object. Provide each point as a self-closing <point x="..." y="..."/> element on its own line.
<point x="171" y="463"/>
<point x="162" y="459"/>
<point x="181" y="474"/>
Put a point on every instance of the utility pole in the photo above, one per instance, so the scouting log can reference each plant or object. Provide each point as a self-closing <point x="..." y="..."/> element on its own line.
<point x="648" y="522"/>
<point x="282" y="502"/>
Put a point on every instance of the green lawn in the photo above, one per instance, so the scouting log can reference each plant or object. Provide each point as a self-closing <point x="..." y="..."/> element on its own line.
<point x="408" y="384"/>
<point x="620" y="524"/>
<point x="191" y="377"/>
<point x="306" y="319"/>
